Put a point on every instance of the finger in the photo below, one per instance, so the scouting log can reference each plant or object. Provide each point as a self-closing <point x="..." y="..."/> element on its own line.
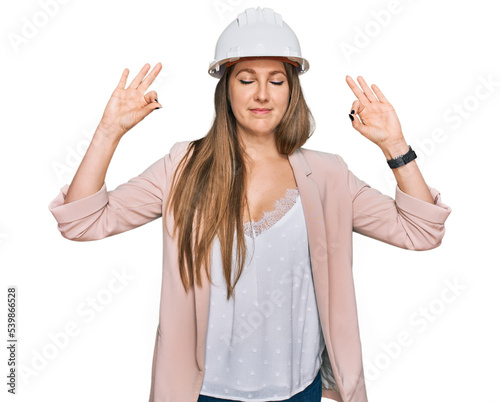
<point x="379" y="94"/>
<point x="356" y="121"/>
<point x="137" y="80"/>
<point x="359" y="127"/>
<point x="357" y="106"/>
<point x="368" y="92"/>
<point x="123" y="79"/>
<point x="151" y="97"/>
<point x="144" y="111"/>
<point x="150" y="77"/>
<point x="358" y="92"/>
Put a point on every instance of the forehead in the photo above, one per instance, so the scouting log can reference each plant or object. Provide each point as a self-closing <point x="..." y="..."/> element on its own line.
<point x="260" y="66"/>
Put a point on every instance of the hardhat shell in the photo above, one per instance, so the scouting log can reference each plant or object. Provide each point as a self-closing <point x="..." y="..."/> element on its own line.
<point x="257" y="32"/>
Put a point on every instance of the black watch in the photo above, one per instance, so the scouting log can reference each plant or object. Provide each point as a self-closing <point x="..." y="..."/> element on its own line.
<point x="402" y="159"/>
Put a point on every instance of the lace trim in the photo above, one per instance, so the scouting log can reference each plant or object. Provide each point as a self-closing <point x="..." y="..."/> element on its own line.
<point x="281" y="207"/>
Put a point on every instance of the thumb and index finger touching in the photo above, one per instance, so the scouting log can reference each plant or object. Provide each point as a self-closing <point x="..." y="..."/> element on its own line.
<point x="142" y="82"/>
<point x="365" y="96"/>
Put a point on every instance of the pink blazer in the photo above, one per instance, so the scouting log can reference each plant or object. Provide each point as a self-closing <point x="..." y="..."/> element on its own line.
<point x="335" y="202"/>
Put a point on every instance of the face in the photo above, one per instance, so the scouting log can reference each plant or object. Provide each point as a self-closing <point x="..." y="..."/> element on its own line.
<point x="259" y="95"/>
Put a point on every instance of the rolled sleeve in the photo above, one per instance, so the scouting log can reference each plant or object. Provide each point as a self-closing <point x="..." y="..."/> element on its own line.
<point x="107" y="213"/>
<point x="403" y="221"/>
<point x="77" y="209"/>
<point x="437" y="212"/>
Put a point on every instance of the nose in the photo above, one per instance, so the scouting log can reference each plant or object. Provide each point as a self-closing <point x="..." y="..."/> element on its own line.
<point x="261" y="92"/>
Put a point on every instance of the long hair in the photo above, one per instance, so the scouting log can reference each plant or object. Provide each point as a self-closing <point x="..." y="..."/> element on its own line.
<point x="208" y="198"/>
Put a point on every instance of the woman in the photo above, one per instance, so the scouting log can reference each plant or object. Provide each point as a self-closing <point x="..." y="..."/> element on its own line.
<point x="269" y="222"/>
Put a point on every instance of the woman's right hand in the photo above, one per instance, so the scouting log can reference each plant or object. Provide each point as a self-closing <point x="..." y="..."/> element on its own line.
<point x="128" y="106"/>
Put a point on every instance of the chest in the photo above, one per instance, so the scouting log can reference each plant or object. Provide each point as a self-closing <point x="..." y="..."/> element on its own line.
<point x="266" y="186"/>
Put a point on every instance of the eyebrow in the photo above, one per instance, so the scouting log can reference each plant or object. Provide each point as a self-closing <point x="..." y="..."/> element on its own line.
<point x="249" y="70"/>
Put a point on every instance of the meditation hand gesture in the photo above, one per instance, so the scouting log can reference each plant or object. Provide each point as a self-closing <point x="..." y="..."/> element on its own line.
<point x="128" y="106"/>
<point x="377" y="118"/>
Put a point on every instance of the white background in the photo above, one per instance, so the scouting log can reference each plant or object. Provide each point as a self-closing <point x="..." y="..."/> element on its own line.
<point x="430" y="58"/>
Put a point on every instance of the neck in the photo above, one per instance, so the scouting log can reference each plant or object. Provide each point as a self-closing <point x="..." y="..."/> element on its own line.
<point x="260" y="148"/>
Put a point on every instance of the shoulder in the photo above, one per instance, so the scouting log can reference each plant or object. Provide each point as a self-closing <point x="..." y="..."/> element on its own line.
<point x="323" y="159"/>
<point x="179" y="147"/>
<point x="178" y="150"/>
<point x="327" y="169"/>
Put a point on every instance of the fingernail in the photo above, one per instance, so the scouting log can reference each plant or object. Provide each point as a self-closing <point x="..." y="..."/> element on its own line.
<point x="350" y="116"/>
<point x="158" y="108"/>
<point x="352" y="111"/>
<point x="156" y="100"/>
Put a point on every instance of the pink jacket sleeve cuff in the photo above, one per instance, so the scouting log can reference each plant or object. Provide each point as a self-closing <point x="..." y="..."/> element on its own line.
<point x="77" y="209"/>
<point x="434" y="213"/>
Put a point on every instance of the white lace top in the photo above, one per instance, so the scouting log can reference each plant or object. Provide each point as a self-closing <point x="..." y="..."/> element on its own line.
<point x="266" y="343"/>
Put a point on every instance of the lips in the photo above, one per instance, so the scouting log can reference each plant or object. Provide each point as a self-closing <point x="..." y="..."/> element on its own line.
<point x="260" y="111"/>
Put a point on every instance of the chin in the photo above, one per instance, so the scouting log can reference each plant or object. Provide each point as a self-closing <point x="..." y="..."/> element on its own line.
<point x="263" y="133"/>
<point x="264" y="129"/>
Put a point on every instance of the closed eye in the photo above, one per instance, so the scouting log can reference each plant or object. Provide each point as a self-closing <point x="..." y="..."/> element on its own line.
<point x="272" y="82"/>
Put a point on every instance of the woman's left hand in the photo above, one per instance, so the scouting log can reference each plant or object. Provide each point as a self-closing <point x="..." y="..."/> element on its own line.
<point x="379" y="122"/>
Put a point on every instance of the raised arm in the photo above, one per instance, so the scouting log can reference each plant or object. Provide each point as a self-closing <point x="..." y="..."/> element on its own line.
<point x="86" y="210"/>
<point x="126" y="108"/>
<point x="375" y="118"/>
<point x="415" y="218"/>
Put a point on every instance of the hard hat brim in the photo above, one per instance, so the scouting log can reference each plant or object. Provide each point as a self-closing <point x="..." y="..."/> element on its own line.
<point x="216" y="68"/>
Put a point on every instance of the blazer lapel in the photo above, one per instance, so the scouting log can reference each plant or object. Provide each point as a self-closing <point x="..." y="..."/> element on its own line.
<point x="315" y="223"/>
<point x="313" y="212"/>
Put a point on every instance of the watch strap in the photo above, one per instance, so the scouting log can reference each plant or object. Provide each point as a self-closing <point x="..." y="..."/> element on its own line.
<point x="402" y="159"/>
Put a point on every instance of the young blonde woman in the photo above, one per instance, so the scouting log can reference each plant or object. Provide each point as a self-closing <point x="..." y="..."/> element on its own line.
<point x="257" y="298"/>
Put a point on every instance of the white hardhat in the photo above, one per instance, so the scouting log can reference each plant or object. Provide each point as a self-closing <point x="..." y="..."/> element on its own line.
<point x="258" y="32"/>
